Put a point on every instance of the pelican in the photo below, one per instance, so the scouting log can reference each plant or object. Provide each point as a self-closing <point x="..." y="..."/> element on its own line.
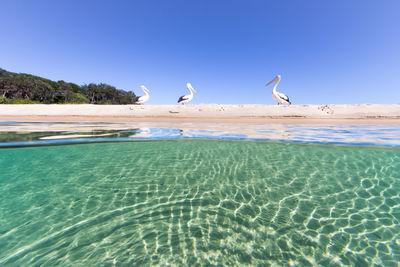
<point x="186" y="98"/>
<point x="144" y="98"/>
<point x="279" y="97"/>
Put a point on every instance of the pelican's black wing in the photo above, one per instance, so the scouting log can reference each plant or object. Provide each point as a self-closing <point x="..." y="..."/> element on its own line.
<point x="182" y="98"/>
<point x="287" y="99"/>
<point x="284" y="97"/>
<point x="136" y="99"/>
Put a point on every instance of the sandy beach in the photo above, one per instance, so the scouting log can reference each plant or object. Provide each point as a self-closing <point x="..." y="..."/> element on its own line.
<point x="249" y="113"/>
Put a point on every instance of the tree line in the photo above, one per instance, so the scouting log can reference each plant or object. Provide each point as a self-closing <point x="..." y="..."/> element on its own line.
<point x="26" y="88"/>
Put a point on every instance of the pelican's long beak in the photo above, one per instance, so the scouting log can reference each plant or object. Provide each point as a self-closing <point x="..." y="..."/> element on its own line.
<point x="274" y="80"/>
<point x="193" y="90"/>
<point x="144" y="88"/>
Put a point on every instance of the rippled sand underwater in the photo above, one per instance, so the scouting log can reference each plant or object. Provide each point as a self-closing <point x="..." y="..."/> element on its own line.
<point x="199" y="202"/>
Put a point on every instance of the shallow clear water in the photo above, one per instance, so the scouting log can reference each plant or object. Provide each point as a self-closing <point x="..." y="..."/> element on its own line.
<point x="199" y="202"/>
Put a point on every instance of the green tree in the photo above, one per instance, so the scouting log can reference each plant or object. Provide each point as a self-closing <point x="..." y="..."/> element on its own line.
<point x="28" y="87"/>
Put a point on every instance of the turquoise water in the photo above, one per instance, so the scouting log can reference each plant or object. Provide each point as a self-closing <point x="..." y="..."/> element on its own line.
<point x="206" y="202"/>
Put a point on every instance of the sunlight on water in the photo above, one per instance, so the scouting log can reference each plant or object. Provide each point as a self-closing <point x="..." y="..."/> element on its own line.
<point x="184" y="202"/>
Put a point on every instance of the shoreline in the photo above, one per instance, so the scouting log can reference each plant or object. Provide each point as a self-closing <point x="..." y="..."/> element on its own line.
<point x="357" y="114"/>
<point x="258" y="120"/>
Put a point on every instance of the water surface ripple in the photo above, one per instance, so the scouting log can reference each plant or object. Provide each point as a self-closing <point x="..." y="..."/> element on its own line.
<point x="207" y="202"/>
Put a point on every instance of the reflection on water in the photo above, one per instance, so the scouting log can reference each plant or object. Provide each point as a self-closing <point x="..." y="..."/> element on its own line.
<point x="21" y="134"/>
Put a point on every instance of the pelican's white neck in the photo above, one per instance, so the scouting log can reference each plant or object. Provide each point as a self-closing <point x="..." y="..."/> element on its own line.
<point x="276" y="85"/>
<point x="190" y="90"/>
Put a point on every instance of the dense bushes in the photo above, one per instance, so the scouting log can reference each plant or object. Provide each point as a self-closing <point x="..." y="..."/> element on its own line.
<point x="18" y="88"/>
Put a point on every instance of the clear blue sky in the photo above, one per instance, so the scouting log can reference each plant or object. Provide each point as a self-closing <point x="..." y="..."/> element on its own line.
<point x="326" y="51"/>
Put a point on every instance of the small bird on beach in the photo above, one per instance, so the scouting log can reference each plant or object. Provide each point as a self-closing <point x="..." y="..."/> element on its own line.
<point x="279" y="97"/>
<point x="142" y="99"/>
<point x="186" y="98"/>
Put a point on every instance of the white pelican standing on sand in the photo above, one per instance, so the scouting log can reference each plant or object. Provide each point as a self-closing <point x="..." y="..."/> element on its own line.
<point x="279" y="97"/>
<point x="144" y="98"/>
<point x="186" y="98"/>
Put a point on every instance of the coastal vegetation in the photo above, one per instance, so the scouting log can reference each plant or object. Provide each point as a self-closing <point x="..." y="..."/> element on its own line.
<point x="21" y="88"/>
